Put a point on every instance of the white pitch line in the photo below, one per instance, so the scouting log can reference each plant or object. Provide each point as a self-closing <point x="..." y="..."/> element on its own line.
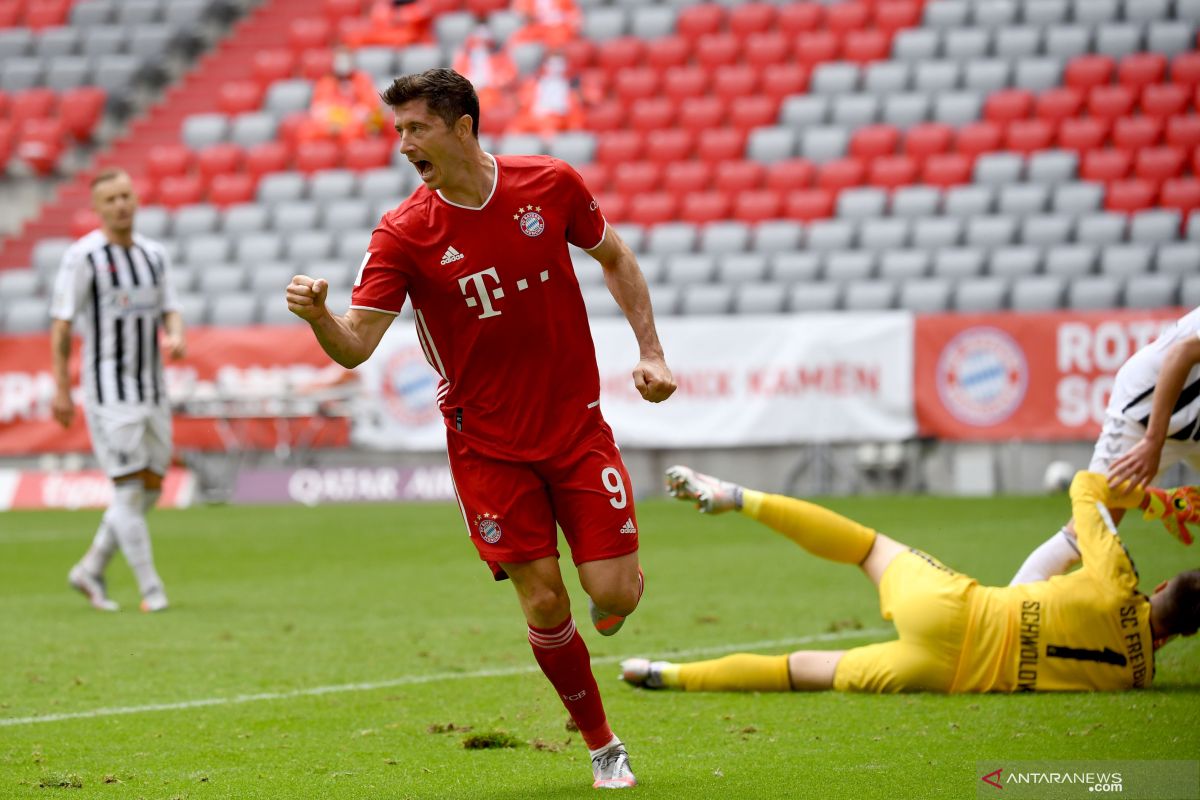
<point x="411" y="680"/>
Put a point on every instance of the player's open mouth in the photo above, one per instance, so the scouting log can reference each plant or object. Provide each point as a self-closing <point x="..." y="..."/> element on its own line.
<point x="424" y="168"/>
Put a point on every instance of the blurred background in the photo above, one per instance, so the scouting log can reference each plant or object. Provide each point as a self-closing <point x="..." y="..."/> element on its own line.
<point x="892" y="245"/>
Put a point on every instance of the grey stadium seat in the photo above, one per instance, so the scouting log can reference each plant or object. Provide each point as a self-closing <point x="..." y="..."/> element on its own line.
<point x="799" y="267"/>
<point x="849" y="265"/>
<point x="1023" y="200"/>
<point x="1093" y="12"/>
<point x="1038" y="74"/>
<point x="1193" y="224"/>
<point x="186" y="15"/>
<point x="1156" y="226"/>
<point x="288" y="97"/>
<point x="964" y="44"/>
<point x="1189" y="291"/>
<point x="332" y="184"/>
<point x="342" y="215"/>
<point x="1152" y="291"/>
<point x="775" y="236"/>
<point x="653" y="267"/>
<point x="883" y="235"/>
<point x="1180" y="258"/>
<point x="339" y="272"/>
<point x="632" y="234"/>
<point x="957" y="108"/>
<point x="574" y="147"/>
<point x="55" y="43"/>
<point x="991" y="231"/>
<point x="116" y="73"/>
<point x="520" y="144"/>
<point x="1038" y="293"/>
<point x="304" y="246"/>
<point x="202" y="130"/>
<point x="998" y="168"/>
<point x="834" y="78"/>
<point x="959" y="262"/>
<point x="1067" y="41"/>
<point x="1101" y="228"/>
<point x="688" y="269"/>
<point x="379" y="62"/>
<point x="741" y="268"/>
<point x="861" y="203"/>
<point x="934" y="232"/>
<point x="234" y="309"/>
<point x="759" y="298"/>
<point x="136" y="12"/>
<point x="150" y="42"/>
<point x="906" y="109"/>
<point x="915" y="45"/>
<point x="968" y="201"/>
<point x="770" y="145"/>
<point x="1094" y="293"/>
<point x="254" y="248"/>
<point x="26" y="318"/>
<point x="420" y="57"/>
<point x="1017" y="42"/>
<point x="91" y="12"/>
<point x="222" y="280"/>
<point x="925" y="296"/>
<point x="719" y="238"/>
<point x="904" y="265"/>
<point x="854" y="110"/>
<point x="1169" y="37"/>
<point x="826" y="235"/>
<point x="915" y="201"/>
<point x="936" y="76"/>
<point x="19" y="284"/>
<point x="194" y="219"/>
<point x="152" y="221"/>
<point x="946" y="15"/>
<point x="251" y="128"/>
<point x="452" y="29"/>
<point x="813" y="297"/>
<point x="822" y="143"/>
<point x="884" y="78"/>
<point x="194" y="308"/>
<point x="1125" y="260"/>
<point x="47" y="255"/>
<point x="979" y="295"/>
<point x="1071" y="260"/>
<point x="382" y="183"/>
<point x="599" y="303"/>
<point x="21" y="73"/>
<point x="869" y="295"/>
<point x="706" y="299"/>
<point x="280" y="187"/>
<point x="68" y="72"/>
<point x="244" y="218"/>
<point x="671" y="237"/>
<point x="664" y="299"/>
<point x="103" y="40"/>
<point x="1145" y="10"/>
<point x="1118" y="40"/>
<point x="15" y="42"/>
<point x="1013" y="262"/>
<point x="273" y="277"/>
<point x="986" y="74"/>
<point x="504" y="24"/>
<point x="294" y="216"/>
<point x="352" y="244"/>
<point x="273" y="310"/>
<point x="1052" y="166"/>
<point x="801" y="111"/>
<point x="602" y="24"/>
<point x="1077" y="199"/>
<point x="206" y="249"/>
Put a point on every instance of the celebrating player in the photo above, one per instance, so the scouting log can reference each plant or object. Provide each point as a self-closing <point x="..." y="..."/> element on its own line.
<point x="117" y="284"/>
<point x="1092" y="629"/>
<point x="1151" y="424"/>
<point x="481" y="248"/>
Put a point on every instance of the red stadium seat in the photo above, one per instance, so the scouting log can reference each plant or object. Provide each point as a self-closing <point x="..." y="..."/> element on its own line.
<point x="1185" y="69"/>
<point x="1008" y="105"/>
<point x="892" y="172"/>
<point x="864" y="47"/>
<point x="267" y="157"/>
<point x="894" y="15"/>
<point x="800" y="17"/>
<point x="168" y="159"/>
<point x="4" y="101"/>
<point x="700" y="20"/>
<point x="40" y="143"/>
<point x="1110" y="102"/>
<point x="670" y="144"/>
<point x="635" y="177"/>
<point x="316" y="63"/>
<point x="1082" y="133"/>
<point x="668" y="51"/>
<point x="1180" y="193"/>
<point x="337" y="9"/>
<point x="841" y="173"/>
<point x="702" y="113"/>
<point x="808" y="204"/>
<point x="482" y="8"/>
<point x="1138" y="70"/>
<point x="238" y="96"/>
<point x="1028" y="135"/>
<point x="781" y="80"/>
<point x="368" y="153"/>
<point x="83" y="222"/>
<point x="816" y="47"/>
<point x="978" y="137"/>
<point x="752" y="18"/>
<point x="227" y="189"/>
<point x="790" y="175"/>
<point x="145" y="189"/>
<point x="1183" y="131"/>
<point x="580" y="54"/>
<point x="1131" y="133"/>
<point x="635" y="83"/>
<point x="717" y="49"/>
<point x="273" y="65"/>
<point x="218" y="159"/>
<point x="318" y="155"/>
<point x="180" y="190"/>
<point x="927" y="139"/>
<point x="595" y="176"/>
<point x="738" y="80"/>
<point x="1105" y="165"/>
<point x="652" y="208"/>
<point x="80" y="109"/>
<point x="946" y="169"/>
<point x="767" y="48"/>
<point x="720" y="144"/>
<point x="10" y="14"/>
<point x="622" y="53"/>
<point x="605" y="116"/>
<point x="1164" y="100"/>
<point x="757" y="205"/>
<point x="753" y="111"/>
<point x="702" y="207"/>
<point x="688" y="176"/>
<point x="614" y="206"/>
<point x="1157" y="164"/>
<point x="308" y="33"/>
<point x="651" y="113"/>
<point x="349" y="29"/>
<point x="681" y="82"/>
<point x="1129" y="196"/>
<point x="617" y="146"/>
<point x="847" y="17"/>
<point x="35" y="103"/>
<point x="1088" y="71"/>
<point x="732" y="177"/>
<point x="872" y="141"/>
<point x="47" y="14"/>
<point x="1058" y="104"/>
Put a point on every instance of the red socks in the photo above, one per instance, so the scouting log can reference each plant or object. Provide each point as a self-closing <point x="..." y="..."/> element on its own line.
<point x="563" y="657"/>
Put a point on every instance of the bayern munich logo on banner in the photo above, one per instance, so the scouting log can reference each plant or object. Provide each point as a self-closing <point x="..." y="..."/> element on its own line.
<point x="409" y="388"/>
<point x="982" y="376"/>
<point x="531" y="222"/>
<point x="489" y="528"/>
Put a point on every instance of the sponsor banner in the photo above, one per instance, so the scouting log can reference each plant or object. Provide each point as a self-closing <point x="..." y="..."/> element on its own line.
<point x="30" y="489"/>
<point x="240" y="388"/>
<point x="742" y="381"/>
<point x="313" y="487"/>
<point x="1049" y="779"/>
<point x="985" y="377"/>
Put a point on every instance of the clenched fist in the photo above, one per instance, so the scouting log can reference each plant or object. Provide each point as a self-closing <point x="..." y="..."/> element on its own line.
<point x="306" y="297"/>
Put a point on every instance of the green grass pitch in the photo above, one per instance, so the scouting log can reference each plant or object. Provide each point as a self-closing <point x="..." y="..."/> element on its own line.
<point x="341" y="652"/>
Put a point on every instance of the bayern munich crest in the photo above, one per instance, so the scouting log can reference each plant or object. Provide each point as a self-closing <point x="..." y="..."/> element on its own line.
<point x="489" y="528"/>
<point x="530" y="221"/>
<point x="982" y="376"/>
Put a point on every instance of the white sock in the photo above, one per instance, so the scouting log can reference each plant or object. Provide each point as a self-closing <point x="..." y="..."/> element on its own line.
<point x="151" y="500"/>
<point x="128" y="522"/>
<point x="612" y="743"/>
<point x="1052" y="557"/>
<point x="104" y="545"/>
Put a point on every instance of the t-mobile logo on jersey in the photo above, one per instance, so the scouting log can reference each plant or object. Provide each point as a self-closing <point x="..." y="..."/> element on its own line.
<point x="478" y="292"/>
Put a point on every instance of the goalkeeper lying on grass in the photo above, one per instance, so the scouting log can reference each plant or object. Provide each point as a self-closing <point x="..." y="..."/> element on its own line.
<point x="1091" y="629"/>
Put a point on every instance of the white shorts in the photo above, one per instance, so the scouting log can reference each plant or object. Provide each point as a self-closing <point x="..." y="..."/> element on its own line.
<point x="1119" y="435"/>
<point x="129" y="438"/>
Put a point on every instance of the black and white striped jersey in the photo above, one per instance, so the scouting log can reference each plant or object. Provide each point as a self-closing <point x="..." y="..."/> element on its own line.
<point x="116" y="296"/>
<point x="1133" y="388"/>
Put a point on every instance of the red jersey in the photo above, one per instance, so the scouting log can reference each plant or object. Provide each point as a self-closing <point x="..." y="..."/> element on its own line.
<point x="497" y="304"/>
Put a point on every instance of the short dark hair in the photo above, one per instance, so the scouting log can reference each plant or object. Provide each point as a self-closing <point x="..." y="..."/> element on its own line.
<point x="1181" y="603"/>
<point x="448" y="94"/>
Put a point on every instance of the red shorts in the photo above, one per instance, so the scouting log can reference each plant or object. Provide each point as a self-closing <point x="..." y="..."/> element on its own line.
<point x="511" y="507"/>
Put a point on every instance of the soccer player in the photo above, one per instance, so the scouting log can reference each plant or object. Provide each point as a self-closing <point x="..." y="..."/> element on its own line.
<point x="481" y="250"/>
<point x="1151" y="424"/>
<point x="117" y="285"/>
<point x="1090" y="630"/>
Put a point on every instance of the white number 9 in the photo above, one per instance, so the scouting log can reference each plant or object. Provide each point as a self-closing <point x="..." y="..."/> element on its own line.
<point x="613" y="481"/>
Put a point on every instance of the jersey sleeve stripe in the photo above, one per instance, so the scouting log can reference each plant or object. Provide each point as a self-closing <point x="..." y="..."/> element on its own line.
<point x="603" y="235"/>
<point x="427" y="340"/>
<point x="380" y="310"/>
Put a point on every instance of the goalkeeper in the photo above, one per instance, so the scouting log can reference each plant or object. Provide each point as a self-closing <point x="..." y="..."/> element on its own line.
<point x="1090" y="630"/>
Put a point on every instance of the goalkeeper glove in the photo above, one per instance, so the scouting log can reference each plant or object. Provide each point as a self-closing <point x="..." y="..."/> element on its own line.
<point x="1175" y="507"/>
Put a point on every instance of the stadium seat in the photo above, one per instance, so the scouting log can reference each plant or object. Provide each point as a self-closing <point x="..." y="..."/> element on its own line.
<point x="933" y="233"/>
<point x="1134" y="133"/>
<point x="168" y="159"/>
<point x="767" y="48"/>
<point x="1101" y="228"/>
<point x="267" y="158"/>
<point x="687" y="176"/>
<point x="892" y="172"/>
<point x="759" y="298"/>
<point x="816" y="47"/>
<point x="777" y="236"/>
<point x="1182" y="194"/>
<point x="882" y="235"/>
<point x="652" y="208"/>
<point x="1178" y="258"/>
<point x="874" y="140"/>
<point x="912" y="202"/>
<point x="1157" y="164"/>
<point x="736" y="269"/>
<point x="1037" y="293"/>
<point x="1155" y="226"/>
<point x="977" y="138"/>
<point x="1028" y="135"/>
<point x="841" y="173"/>
<point x="231" y="188"/>
<point x="1008" y="105"/>
<point x="904" y="265"/>
<point x="869" y="295"/>
<point x="736" y="176"/>
<point x="1130" y="195"/>
<point x="1164" y="100"/>
<point x="800" y="17"/>
<point x="925" y="296"/>
<point x="808" y="204"/>
<point x="1151" y="291"/>
<point x="1012" y="262"/>
<point x="979" y="295"/>
<point x="179" y="190"/>
<point x="778" y="81"/>
<point x="1105" y="165"/>
<point x="666" y="52"/>
<point x="635" y="177"/>
<point x="790" y="267"/>
<point x="1093" y="293"/>
<point x="1088" y="72"/>
<point x="806" y="297"/>
<point x="1082" y="133"/>
<point x="1023" y="200"/>
<point x="317" y="155"/>
<point x="828" y="235"/>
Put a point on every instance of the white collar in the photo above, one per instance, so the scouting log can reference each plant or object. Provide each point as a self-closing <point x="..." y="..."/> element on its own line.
<point x="491" y="194"/>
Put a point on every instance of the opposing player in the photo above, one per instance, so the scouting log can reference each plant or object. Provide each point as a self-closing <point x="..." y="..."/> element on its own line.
<point x="1090" y="630"/>
<point x="481" y="250"/>
<point x="117" y="285"/>
<point x="1152" y="422"/>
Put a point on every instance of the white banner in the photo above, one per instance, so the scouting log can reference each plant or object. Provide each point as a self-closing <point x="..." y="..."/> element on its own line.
<point x="742" y="381"/>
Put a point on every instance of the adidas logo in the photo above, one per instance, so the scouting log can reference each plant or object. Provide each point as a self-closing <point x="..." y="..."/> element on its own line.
<point x="629" y="527"/>
<point x="451" y="255"/>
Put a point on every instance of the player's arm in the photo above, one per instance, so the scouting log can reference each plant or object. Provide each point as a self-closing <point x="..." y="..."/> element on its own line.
<point x="1140" y="464"/>
<point x="625" y="280"/>
<point x="62" y="406"/>
<point x="1099" y="544"/>
<point x="176" y="340"/>
<point x="349" y="340"/>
